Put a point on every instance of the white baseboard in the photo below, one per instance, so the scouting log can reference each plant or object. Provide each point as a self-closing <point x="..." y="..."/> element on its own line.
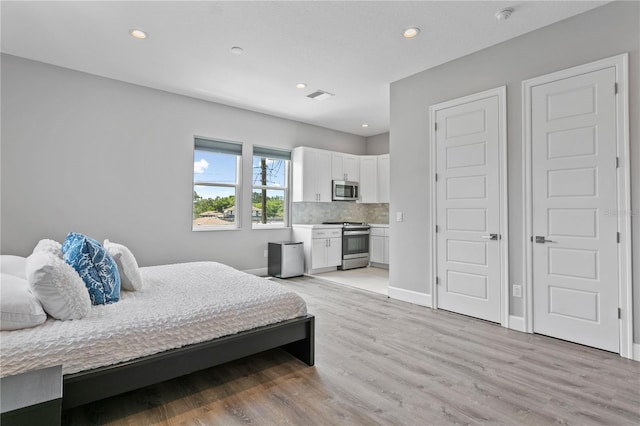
<point x="517" y="323"/>
<point x="261" y="272"/>
<point x="636" y="351"/>
<point x="410" y="296"/>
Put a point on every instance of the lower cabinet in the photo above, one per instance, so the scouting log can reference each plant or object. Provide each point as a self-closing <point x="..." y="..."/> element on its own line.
<point x="326" y="252"/>
<point x="322" y="247"/>
<point x="379" y="245"/>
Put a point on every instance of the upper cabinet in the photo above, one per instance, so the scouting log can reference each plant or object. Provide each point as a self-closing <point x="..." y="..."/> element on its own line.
<point x="374" y="178"/>
<point x="369" y="179"/>
<point x="311" y="175"/>
<point x="384" y="178"/>
<point x="314" y="169"/>
<point x="345" y="166"/>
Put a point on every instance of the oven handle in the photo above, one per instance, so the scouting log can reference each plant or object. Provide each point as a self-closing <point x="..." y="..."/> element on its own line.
<point x="367" y="232"/>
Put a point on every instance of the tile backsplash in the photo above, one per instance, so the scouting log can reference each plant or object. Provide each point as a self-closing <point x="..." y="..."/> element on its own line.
<point x="305" y="213"/>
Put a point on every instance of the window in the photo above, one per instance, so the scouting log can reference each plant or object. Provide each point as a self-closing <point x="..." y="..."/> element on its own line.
<point x="216" y="183"/>
<point x="270" y="195"/>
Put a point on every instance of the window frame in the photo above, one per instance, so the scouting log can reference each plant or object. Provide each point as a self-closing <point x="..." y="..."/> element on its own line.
<point x="276" y="154"/>
<point x="233" y="148"/>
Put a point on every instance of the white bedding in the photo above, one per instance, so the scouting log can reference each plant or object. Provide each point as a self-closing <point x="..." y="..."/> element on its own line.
<point x="181" y="304"/>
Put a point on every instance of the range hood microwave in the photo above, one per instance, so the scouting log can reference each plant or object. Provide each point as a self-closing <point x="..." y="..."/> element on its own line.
<point x="344" y="190"/>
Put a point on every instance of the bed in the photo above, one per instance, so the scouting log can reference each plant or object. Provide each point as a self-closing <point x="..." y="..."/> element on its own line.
<point x="189" y="317"/>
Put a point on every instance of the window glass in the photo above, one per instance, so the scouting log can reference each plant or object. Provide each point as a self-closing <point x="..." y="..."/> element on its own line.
<point x="215" y="187"/>
<point x="270" y="195"/>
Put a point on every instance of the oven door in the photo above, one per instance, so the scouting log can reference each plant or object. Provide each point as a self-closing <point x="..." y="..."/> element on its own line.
<point x="355" y="244"/>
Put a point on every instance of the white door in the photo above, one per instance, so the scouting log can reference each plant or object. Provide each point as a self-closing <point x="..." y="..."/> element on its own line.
<point x="468" y="208"/>
<point x="575" y="263"/>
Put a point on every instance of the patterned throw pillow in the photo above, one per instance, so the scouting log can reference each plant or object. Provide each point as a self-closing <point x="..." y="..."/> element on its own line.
<point x="95" y="266"/>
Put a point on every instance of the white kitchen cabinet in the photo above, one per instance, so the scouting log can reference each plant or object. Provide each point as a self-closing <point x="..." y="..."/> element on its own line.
<point x="374" y="178"/>
<point x="369" y="179"/>
<point x="376" y="249"/>
<point x="311" y="175"/>
<point x="326" y="252"/>
<point x="322" y="246"/>
<point x="384" y="178"/>
<point x="379" y="245"/>
<point x="345" y="166"/>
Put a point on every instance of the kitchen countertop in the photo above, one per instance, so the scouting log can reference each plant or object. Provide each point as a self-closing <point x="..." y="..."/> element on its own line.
<point x="314" y="226"/>
<point x="379" y="225"/>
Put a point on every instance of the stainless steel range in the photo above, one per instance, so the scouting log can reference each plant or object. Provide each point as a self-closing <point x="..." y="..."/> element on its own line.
<point x="355" y="244"/>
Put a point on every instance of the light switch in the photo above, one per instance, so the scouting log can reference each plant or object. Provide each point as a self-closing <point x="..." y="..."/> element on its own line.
<point x="399" y="216"/>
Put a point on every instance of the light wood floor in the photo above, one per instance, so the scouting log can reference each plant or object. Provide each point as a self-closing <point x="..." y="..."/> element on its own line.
<point x="381" y="361"/>
<point x="370" y="279"/>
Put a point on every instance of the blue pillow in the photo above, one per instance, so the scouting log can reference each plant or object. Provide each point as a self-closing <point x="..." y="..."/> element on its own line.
<point x="95" y="266"/>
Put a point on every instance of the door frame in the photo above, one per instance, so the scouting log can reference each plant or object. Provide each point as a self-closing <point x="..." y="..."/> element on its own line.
<point x="501" y="93"/>
<point x="623" y="181"/>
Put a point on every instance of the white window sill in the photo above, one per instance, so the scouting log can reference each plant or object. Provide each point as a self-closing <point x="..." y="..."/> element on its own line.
<point x="269" y="226"/>
<point x="215" y="228"/>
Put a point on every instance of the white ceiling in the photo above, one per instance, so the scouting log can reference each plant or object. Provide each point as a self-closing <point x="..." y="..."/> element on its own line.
<point x="353" y="49"/>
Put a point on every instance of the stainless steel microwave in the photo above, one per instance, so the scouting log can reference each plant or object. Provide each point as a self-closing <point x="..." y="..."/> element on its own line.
<point x="344" y="190"/>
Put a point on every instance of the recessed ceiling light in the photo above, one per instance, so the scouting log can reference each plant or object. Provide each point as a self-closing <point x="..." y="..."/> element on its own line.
<point x="504" y="14"/>
<point x="301" y="85"/>
<point x="365" y="125"/>
<point x="237" y="50"/>
<point x="139" y="34"/>
<point x="411" y="32"/>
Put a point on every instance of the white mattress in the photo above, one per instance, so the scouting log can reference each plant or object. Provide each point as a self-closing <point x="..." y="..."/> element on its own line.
<point x="181" y="304"/>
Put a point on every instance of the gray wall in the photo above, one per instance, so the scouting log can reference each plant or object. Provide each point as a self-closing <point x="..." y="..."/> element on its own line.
<point x="600" y="33"/>
<point x="378" y="144"/>
<point x="114" y="160"/>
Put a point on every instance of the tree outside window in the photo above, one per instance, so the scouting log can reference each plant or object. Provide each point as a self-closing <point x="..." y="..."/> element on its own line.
<point x="270" y="194"/>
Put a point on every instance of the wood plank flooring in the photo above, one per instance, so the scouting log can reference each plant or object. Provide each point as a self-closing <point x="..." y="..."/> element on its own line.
<point x="381" y="361"/>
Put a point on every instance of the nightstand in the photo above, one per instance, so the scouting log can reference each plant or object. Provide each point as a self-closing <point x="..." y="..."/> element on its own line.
<point x="32" y="398"/>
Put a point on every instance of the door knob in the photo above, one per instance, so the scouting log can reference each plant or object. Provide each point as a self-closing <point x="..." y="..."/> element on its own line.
<point x="490" y="237"/>
<point x="541" y="239"/>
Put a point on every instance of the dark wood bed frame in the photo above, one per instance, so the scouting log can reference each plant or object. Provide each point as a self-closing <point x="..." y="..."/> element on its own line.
<point x="295" y="336"/>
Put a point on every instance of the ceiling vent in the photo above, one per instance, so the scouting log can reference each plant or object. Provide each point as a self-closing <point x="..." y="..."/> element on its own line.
<point x="320" y="95"/>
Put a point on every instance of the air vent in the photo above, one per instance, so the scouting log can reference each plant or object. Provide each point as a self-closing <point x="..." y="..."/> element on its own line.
<point x="320" y="95"/>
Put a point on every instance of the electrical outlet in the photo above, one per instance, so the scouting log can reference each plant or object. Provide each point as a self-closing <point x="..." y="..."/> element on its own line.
<point x="266" y="253"/>
<point x="399" y="216"/>
<point x="517" y="290"/>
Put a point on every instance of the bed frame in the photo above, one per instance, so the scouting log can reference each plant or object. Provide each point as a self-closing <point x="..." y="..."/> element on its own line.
<point x="295" y="336"/>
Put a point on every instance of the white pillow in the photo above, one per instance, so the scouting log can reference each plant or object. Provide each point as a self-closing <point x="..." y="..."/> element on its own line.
<point x="49" y="246"/>
<point x="130" y="278"/>
<point x="57" y="286"/>
<point x="13" y="265"/>
<point x="19" y="308"/>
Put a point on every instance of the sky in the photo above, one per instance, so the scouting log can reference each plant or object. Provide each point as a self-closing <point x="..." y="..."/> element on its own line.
<point x="212" y="167"/>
